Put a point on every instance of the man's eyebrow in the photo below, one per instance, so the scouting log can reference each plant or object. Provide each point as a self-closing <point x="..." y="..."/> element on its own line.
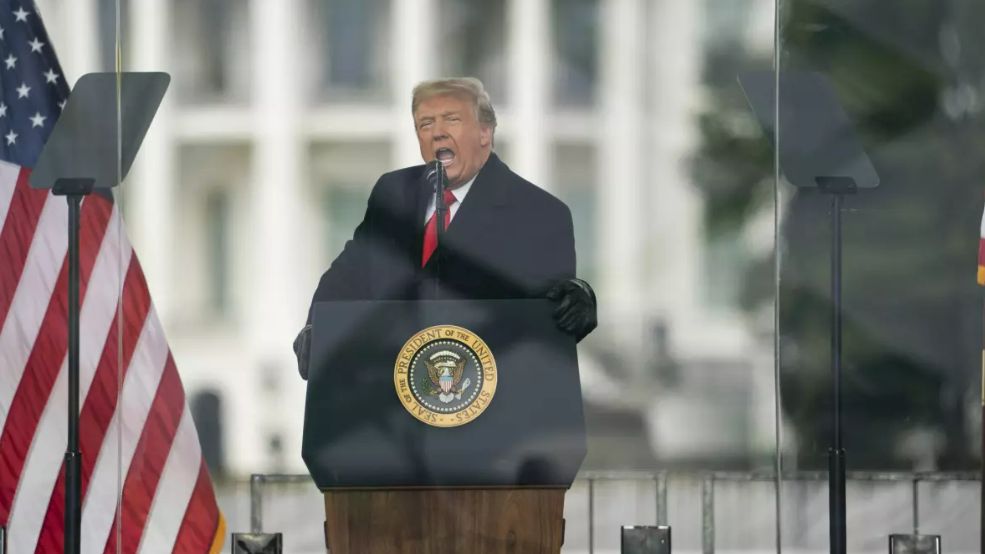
<point x="426" y="118"/>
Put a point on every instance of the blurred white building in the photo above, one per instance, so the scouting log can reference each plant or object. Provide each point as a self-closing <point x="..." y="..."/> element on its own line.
<point x="282" y="114"/>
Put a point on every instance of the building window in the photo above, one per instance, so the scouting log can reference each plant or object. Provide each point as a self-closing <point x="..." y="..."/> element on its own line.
<point x="344" y="174"/>
<point x="575" y="177"/>
<point x="343" y="206"/>
<point x="212" y="182"/>
<point x="576" y="44"/>
<point x="473" y="39"/>
<point x="212" y="55"/>
<point x="206" y="409"/>
<point x="351" y="39"/>
<point x="217" y="224"/>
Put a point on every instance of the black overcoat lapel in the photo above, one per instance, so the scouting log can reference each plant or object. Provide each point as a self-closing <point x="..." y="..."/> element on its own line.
<point x="482" y="206"/>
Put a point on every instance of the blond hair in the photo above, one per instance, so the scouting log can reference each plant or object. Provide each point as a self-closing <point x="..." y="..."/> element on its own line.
<point x="457" y="86"/>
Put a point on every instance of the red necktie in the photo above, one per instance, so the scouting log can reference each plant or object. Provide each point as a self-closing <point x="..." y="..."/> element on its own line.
<point x="431" y="228"/>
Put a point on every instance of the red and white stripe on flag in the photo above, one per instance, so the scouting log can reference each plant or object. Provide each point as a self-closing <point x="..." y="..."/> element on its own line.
<point x="136" y="433"/>
<point x="981" y="252"/>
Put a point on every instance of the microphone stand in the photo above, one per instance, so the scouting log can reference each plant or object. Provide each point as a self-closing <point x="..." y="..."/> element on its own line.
<point x="440" y="209"/>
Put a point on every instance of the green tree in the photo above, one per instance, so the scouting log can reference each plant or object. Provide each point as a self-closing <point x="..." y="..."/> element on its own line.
<point x="909" y="74"/>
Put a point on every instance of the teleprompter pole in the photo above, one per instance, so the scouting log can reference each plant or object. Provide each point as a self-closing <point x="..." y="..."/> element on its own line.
<point x="837" y="187"/>
<point x="73" y="190"/>
<point x="836" y="454"/>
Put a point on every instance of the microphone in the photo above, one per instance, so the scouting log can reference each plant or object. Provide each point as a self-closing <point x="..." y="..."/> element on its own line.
<point x="435" y="176"/>
<point x="435" y="173"/>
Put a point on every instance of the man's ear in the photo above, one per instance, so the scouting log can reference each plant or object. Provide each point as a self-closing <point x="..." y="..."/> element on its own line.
<point x="485" y="135"/>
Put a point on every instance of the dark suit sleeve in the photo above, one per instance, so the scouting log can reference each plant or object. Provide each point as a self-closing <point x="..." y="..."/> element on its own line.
<point x="563" y="240"/>
<point x="555" y="254"/>
<point x="346" y="278"/>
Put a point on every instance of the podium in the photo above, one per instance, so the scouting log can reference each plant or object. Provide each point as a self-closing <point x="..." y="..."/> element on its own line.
<point x="442" y="426"/>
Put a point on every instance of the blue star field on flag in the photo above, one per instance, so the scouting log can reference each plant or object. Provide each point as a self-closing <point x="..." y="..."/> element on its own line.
<point x="32" y="86"/>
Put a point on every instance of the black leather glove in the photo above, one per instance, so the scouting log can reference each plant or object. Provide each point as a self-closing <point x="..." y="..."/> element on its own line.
<point x="302" y="349"/>
<point x="575" y="313"/>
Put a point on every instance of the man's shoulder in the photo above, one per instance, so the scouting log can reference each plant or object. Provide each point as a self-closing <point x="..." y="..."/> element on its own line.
<point x="526" y="193"/>
<point x="404" y="173"/>
<point x="397" y="184"/>
<point x="403" y="177"/>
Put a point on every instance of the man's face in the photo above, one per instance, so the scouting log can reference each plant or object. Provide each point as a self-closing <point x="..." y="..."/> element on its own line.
<point x="448" y="130"/>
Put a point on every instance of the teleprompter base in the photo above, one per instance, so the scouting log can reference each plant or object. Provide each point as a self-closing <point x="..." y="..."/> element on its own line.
<point x="258" y="543"/>
<point x="446" y="521"/>
<point x="914" y="544"/>
<point x="645" y="539"/>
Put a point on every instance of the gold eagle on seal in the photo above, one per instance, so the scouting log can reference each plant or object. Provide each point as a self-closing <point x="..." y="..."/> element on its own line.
<point x="445" y="368"/>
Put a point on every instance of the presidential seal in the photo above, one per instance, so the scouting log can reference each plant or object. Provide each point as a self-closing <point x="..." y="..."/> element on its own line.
<point x="445" y="376"/>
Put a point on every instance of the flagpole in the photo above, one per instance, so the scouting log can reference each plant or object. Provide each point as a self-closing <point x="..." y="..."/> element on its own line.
<point x="980" y="278"/>
<point x="981" y="463"/>
<point x="981" y="494"/>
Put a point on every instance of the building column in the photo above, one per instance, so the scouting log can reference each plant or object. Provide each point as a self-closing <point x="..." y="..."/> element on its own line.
<point x="78" y="53"/>
<point x="528" y="51"/>
<point x="675" y="226"/>
<point x="278" y="307"/>
<point x="149" y="192"/>
<point x="620" y="175"/>
<point x="412" y="30"/>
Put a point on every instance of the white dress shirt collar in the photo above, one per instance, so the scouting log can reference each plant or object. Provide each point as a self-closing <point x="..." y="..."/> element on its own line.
<point x="459" y="193"/>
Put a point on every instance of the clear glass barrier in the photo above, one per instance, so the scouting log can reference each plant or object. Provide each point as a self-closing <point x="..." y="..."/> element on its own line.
<point x="906" y="80"/>
<point x="281" y="117"/>
<point x="38" y="237"/>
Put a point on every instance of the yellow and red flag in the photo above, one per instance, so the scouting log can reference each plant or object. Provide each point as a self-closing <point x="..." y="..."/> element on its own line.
<point x="981" y="253"/>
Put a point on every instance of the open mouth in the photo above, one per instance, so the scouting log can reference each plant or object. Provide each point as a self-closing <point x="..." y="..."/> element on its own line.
<point x="445" y="155"/>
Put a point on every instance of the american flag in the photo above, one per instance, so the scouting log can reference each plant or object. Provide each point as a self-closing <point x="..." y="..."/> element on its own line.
<point x="141" y="457"/>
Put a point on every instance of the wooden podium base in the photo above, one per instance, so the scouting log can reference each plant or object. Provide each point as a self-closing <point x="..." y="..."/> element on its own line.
<point x="446" y="521"/>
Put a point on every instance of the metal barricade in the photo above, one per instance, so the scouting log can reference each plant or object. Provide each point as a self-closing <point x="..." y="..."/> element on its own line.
<point x="708" y="482"/>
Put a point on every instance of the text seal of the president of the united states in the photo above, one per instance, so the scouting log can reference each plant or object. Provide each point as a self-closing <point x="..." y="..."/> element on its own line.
<point x="445" y="376"/>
